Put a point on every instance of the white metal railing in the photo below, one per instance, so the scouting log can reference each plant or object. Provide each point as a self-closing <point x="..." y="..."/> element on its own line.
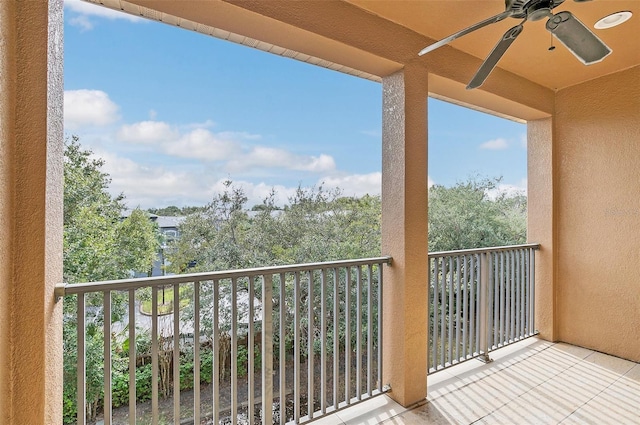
<point x="479" y="300"/>
<point x="324" y="320"/>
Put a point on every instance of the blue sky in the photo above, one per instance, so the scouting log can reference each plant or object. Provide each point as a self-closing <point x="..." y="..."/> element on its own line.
<point x="175" y="113"/>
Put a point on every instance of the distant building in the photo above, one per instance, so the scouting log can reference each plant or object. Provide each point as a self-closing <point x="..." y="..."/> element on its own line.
<point x="168" y="229"/>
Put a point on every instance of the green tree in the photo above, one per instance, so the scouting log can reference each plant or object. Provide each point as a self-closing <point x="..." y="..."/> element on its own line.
<point x="214" y="238"/>
<point x="474" y="214"/>
<point x="98" y="245"/>
<point x="137" y="239"/>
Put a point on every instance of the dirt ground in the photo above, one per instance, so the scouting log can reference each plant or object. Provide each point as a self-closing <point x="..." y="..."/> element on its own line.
<point x="165" y="406"/>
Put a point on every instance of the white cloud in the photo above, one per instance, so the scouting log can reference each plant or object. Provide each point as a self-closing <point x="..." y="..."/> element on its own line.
<point x="430" y="182"/>
<point x="495" y="144"/>
<point x="88" y="108"/>
<point x="523" y="140"/>
<point x="355" y="184"/>
<point x="82" y="11"/>
<point x="203" y="144"/>
<point x="82" y="21"/>
<point x="267" y="157"/>
<point x="155" y="186"/>
<point x="194" y="125"/>
<point x="147" y="132"/>
<point x="174" y="184"/>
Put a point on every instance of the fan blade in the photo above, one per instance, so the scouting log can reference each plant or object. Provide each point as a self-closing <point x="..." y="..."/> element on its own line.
<point x="466" y="31"/>
<point x="495" y="55"/>
<point x="576" y="37"/>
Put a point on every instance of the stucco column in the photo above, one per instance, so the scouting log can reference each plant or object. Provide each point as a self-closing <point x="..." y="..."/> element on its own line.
<point x="31" y="185"/>
<point x="541" y="177"/>
<point x="404" y="233"/>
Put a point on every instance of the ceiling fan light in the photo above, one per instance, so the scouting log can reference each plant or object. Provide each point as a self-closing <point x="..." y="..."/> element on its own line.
<point x="613" y="20"/>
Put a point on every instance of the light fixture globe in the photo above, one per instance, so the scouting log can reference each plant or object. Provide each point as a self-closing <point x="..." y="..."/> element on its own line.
<point x="613" y="20"/>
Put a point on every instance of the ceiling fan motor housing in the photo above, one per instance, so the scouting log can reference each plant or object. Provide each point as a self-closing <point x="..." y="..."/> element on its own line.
<point x="533" y="10"/>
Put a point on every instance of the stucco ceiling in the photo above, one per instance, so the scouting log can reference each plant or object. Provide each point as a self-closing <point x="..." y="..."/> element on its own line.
<point x="529" y="56"/>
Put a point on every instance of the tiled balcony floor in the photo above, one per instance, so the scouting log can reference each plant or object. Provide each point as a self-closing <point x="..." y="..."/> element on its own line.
<point x="531" y="382"/>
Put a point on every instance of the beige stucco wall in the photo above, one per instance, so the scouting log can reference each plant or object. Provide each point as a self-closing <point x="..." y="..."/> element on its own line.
<point x="404" y="234"/>
<point x="31" y="181"/>
<point x="540" y="221"/>
<point x="596" y="132"/>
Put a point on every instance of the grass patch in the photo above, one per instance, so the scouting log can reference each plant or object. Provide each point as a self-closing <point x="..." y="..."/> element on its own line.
<point x="167" y="306"/>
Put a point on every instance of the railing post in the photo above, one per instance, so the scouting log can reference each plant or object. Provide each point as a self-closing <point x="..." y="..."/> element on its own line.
<point x="267" y="349"/>
<point x="484" y="308"/>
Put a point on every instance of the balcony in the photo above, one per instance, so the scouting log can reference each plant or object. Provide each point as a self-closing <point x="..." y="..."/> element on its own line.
<point x="230" y="330"/>
<point x="582" y="133"/>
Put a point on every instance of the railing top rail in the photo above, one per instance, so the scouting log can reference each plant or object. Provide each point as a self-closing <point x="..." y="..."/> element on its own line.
<point x="126" y="284"/>
<point x="484" y="250"/>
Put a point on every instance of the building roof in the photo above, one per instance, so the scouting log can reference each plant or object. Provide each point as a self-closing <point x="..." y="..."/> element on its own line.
<point x="168" y="221"/>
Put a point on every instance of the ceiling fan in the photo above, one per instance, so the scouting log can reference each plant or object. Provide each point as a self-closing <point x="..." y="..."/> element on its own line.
<point x="576" y="37"/>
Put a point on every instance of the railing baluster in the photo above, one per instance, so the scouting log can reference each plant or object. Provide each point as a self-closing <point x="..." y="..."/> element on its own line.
<point x="527" y="286"/>
<point x="495" y="307"/>
<point x="132" y="356"/>
<point x="518" y="307"/>
<point x="250" y="352"/>
<point x="472" y="319"/>
<point x="502" y="297"/>
<point x="443" y="314"/>
<point x="154" y="354"/>
<point x="323" y="341"/>
<point x="347" y="337"/>
<point x="369" y="332"/>
<point x="234" y="351"/>
<point x="267" y="350"/>
<point x="465" y="307"/>
<point x="507" y="297"/>
<point x="81" y="359"/>
<point x="296" y="353"/>
<point x="176" y="354"/>
<point x="485" y="319"/>
<point x="512" y="322"/>
<point x="434" y="307"/>
<point x="283" y="355"/>
<point x="380" y="288"/>
<point x="451" y="315"/>
<point x="216" y="352"/>
<point x="532" y="292"/>
<point x="310" y="345"/>
<point x="196" y="352"/>
<point x="523" y="291"/>
<point x="457" y="308"/>
<point x="336" y="339"/>
<point x="107" y="357"/>
<point x="358" y="332"/>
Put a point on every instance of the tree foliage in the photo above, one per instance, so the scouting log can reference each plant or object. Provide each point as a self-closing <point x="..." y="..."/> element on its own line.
<point x="174" y="211"/>
<point x="98" y="243"/>
<point x="475" y="214"/>
<point x="316" y="225"/>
